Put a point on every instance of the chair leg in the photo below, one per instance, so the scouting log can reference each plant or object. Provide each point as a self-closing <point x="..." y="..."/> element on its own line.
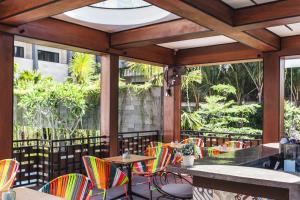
<point x="125" y="190"/>
<point x="104" y="195"/>
<point x="150" y="188"/>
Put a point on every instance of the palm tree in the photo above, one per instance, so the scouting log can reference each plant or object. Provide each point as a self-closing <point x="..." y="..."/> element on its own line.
<point x="211" y="75"/>
<point x="292" y="81"/>
<point x="237" y="76"/>
<point x="154" y="74"/>
<point x="190" y="81"/>
<point x="255" y="71"/>
<point x="82" y="67"/>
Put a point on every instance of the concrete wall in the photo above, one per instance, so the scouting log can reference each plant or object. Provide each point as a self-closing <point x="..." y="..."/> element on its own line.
<point x="140" y="112"/>
<point x="136" y="112"/>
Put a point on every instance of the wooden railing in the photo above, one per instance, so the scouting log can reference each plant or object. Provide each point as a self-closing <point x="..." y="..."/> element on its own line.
<point x="42" y="160"/>
<point x="137" y="142"/>
<point x="217" y="138"/>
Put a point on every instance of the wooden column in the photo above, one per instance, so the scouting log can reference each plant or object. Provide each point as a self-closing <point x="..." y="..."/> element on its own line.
<point x="109" y="100"/>
<point x="172" y="114"/>
<point x="273" y="122"/>
<point x="6" y="95"/>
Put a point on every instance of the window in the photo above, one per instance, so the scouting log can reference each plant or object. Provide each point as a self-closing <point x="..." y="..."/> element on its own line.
<point x="48" y="56"/>
<point x="19" y="52"/>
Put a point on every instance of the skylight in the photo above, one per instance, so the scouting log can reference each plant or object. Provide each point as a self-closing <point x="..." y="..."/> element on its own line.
<point x="119" y="12"/>
<point x="121" y="4"/>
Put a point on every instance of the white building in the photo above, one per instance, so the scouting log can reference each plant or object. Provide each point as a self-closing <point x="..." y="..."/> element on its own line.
<point x="54" y="62"/>
<point x="46" y="60"/>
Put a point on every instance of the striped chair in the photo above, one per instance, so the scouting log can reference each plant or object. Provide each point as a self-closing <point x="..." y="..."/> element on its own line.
<point x="69" y="187"/>
<point x="235" y="144"/>
<point x="8" y="172"/>
<point x="153" y="167"/>
<point x="213" y="152"/>
<point x="199" y="144"/>
<point x="103" y="174"/>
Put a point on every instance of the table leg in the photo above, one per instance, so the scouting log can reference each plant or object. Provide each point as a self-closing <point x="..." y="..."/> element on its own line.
<point x="130" y="193"/>
<point x="129" y="187"/>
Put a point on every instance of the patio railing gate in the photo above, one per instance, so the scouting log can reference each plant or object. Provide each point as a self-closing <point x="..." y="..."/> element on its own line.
<point x="43" y="160"/>
<point x="217" y="138"/>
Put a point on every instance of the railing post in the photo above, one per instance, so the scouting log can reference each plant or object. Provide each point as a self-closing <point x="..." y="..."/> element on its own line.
<point x="52" y="168"/>
<point x="37" y="160"/>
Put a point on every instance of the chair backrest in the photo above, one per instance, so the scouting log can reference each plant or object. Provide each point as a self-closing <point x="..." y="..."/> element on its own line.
<point x="103" y="174"/>
<point x="213" y="152"/>
<point x="235" y="144"/>
<point x="162" y="156"/>
<point x="8" y="172"/>
<point x="69" y="187"/>
<point x="197" y="141"/>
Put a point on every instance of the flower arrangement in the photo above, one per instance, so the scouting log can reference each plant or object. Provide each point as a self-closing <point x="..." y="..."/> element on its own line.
<point x="188" y="149"/>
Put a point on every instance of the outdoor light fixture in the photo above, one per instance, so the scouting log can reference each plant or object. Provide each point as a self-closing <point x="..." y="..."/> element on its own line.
<point x="172" y="76"/>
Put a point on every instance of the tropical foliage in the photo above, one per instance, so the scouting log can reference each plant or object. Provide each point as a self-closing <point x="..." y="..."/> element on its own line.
<point x="153" y="74"/>
<point x="82" y="67"/>
<point x="219" y="113"/>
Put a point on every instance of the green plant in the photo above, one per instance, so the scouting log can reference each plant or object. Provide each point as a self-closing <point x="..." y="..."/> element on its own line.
<point x="82" y="67"/>
<point x="190" y="81"/>
<point x="153" y="74"/>
<point x="224" y="89"/>
<point x="190" y="120"/>
<point x="188" y="149"/>
<point x="43" y="103"/>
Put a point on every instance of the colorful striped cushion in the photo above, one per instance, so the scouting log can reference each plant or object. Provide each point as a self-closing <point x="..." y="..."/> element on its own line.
<point x="8" y="171"/>
<point x="69" y="187"/>
<point x="103" y="174"/>
<point x="162" y="155"/>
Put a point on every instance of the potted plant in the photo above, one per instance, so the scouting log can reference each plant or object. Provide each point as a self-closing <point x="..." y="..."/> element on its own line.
<point x="188" y="154"/>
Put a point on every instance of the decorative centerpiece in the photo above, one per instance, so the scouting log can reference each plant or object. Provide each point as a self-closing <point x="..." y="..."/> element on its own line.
<point x="9" y="195"/>
<point x="126" y="155"/>
<point x="188" y="155"/>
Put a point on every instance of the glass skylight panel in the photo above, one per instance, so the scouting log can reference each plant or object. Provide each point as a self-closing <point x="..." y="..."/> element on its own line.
<point x="119" y="13"/>
<point x="121" y="4"/>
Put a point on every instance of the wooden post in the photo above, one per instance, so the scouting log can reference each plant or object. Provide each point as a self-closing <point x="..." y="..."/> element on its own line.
<point x="273" y="107"/>
<point x="6" y="95"/>
<point x="109" y="100"/>
<point x="172" y="114"/>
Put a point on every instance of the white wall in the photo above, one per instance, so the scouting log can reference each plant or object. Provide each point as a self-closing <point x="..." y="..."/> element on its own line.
<point x="23" y="64"/>
<point x="58" y="71"/>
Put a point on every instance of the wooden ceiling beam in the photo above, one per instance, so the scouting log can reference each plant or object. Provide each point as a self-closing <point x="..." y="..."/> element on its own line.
<point x="216" y="54"/>
<point x="217" y="16"/>
<point x="267" y="15"/>
<point x="17" y="12"/>
<point x="171" y="31"/>
<point x="80" y="37"/>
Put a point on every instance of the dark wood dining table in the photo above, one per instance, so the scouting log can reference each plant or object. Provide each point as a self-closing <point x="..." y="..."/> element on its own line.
<point x="128" y="162"/>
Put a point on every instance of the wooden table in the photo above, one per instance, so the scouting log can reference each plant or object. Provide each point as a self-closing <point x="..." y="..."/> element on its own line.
<point x="176" y="145"/>
<point x="252" y="181"/>
<point x="128" y="164"/>
<point x="29" y="194"/>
